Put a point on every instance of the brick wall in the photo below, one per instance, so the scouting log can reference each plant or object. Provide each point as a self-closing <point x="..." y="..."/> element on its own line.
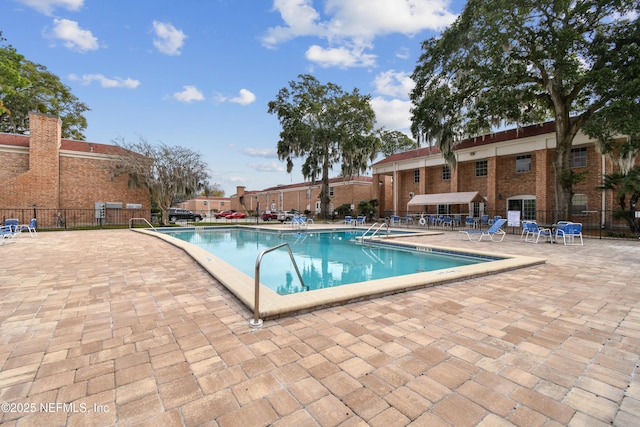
<point x="36" y="170"/>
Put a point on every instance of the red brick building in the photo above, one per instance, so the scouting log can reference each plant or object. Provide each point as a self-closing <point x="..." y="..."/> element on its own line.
<point x="206" y="205"/>
<point x="512" y="170"/>
<point x="305" y="196"/>
<point x="56" y="174"/>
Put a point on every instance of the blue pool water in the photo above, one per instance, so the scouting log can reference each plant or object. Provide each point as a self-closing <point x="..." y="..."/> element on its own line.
<point x="325" y="259"/>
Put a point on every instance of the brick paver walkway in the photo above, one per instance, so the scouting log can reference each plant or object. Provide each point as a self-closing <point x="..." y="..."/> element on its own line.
<point x="118" y="328"/>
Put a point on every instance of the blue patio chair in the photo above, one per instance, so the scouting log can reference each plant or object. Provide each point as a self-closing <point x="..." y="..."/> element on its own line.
<point x="535" y="232"/>
<point x="361" y="220"/>
<point x="526" y="229"/>
<point x="446" y="221"/>
<point x="13" y="223"/>
<point x="31" y="227"/>
<point x="7" y="234"/>
<point x="484" y="219"/>
<point x="433" y="219"/>
<point x="394" y="220"/>
<point x="570" y="233"/>
<point x="559" y="227"/>
<point x="348" y="219"/>
<point x="457" y="220"/>
<point x="492" y="233"/>
<point x="470" y="222"/>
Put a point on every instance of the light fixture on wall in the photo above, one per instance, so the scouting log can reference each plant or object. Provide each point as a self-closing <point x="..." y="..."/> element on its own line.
<point x="473" y="153"/>
<point x="499" y="196"/>
<point x="411" y="194"/>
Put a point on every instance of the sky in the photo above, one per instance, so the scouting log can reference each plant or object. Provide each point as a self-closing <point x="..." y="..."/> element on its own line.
<point x="200" y="73"/>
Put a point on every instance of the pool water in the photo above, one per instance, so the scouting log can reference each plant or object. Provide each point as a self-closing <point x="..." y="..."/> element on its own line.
<point x="324" y="259"/>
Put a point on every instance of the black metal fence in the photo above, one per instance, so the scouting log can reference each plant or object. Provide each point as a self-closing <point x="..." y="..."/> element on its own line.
<point x="603" y="224"/>
<point x="74" y="219"/>
<point x="600" y="223"/>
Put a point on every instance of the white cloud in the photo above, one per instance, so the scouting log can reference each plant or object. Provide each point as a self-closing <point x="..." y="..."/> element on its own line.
<point x="354" y="24"/>
<point x="74" y="37"/>
<point x="106" y="82"/>
<point x="393" y="114"/>
<point x="46" y="6"/>
<point x="300" y="18"/>
<point x="267" y="167"/>
<point x="394" y="84"/>
<point x="189" y="94"/>
<point x="261" y="152"/>
<point x="169" y="40"/>
<point x="340" y="57"/>
<point x="245" y="97"/>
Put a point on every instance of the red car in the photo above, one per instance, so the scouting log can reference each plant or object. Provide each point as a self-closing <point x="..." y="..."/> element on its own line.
<point x="268" y="215"/>
<point x="222" y="214"/>
<point x="235" y="215"/>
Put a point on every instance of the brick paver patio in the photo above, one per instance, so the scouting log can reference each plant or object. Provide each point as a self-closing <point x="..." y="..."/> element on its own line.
<point x="118" y="328"/>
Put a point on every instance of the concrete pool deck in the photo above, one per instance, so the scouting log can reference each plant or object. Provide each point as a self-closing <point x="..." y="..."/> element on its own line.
<point x="113" y="327"/>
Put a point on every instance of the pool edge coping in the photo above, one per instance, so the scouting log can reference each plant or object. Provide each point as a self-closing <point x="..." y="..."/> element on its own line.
<point x="272" y="305"/>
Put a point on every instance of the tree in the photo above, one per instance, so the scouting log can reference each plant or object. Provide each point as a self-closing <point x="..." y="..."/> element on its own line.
<point x="212" y="190"/>
<point x="327" y="126"/>
<point x="26" y="86"/>
<point x="168" y="172"/>
<point x="523" y="62"/>
<point x="625" y="185"/>
<point x="394" y="141"/>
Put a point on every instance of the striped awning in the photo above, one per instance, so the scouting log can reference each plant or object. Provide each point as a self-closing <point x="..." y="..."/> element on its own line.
<point x="461" y="198"/>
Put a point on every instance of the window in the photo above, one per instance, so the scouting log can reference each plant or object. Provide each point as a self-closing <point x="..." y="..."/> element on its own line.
<point x="444" y="209"/>
<point x="446" y="173"/>
<point x="308" y="193"/>
<point x="578" y="157"/>
<point x="579" y="204"/>
<point x="526" y="205"/>
<point x="330" y="191"/>
<point x="523" y="163"/>
<point x="416" y="175"/>
<point x="482" y="168"/>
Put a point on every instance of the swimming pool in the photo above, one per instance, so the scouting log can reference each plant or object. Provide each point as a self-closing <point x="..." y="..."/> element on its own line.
<point x="273" y="305"/>
<point x="325" y="258"/>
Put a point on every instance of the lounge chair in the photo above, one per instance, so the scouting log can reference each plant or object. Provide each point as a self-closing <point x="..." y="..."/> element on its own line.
<point x="7" y="234"/>
<point x="299" y="222"/>
<point x="348" y="219"/>
<point x="570" y="232"/>
<point x="535" y="232"/>
<point x="492" y="233"/>
<point x="31" y="227"/>
<point x="13" y="223"/>
<point x="395" y="220"/>
<point x="361" y="220"/>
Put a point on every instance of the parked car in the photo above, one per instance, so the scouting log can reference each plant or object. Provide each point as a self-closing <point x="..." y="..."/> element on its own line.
<point x="222" y="214"/>
<point x="286" y="216"/>
<point x="177" y="214"/>
<point x="268" y="215"/>
<point x="236" y="215"/>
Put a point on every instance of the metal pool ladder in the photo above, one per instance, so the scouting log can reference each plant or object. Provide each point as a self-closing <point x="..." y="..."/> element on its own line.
<point x="256" y="322"/>
<point x="142" y="219"/>
<point x="375" y="231"/>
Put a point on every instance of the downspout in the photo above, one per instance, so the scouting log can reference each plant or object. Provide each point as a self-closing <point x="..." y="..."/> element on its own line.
<point x="395" y="188"/>
<point x="602" y="197"/>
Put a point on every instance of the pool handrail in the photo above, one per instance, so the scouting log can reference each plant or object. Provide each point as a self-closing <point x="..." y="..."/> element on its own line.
<point x="143" y="219"/>
<point x="384" y="224"/>
<point x="256" y="322"/>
